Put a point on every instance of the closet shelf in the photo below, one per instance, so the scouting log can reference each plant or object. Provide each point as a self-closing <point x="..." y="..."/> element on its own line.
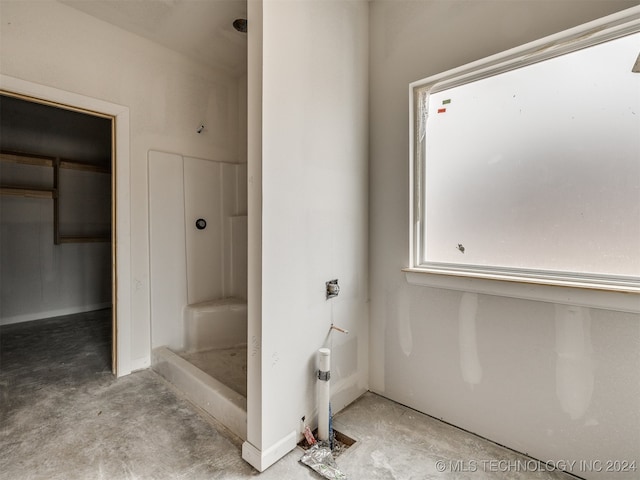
<point x="56" y="164"/>
<point x="87" y="167"/>
<point x="44" y="161"/>
<point x="27" y="192"/>
<point x="84" y="239"/>
<point x="24" y="159"/>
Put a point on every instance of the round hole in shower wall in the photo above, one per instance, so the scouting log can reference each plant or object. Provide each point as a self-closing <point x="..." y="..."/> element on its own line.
<point x="240" y="24"/>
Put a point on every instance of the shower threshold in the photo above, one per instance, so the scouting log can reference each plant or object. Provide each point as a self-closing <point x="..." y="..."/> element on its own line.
<point x="214" y="380"/>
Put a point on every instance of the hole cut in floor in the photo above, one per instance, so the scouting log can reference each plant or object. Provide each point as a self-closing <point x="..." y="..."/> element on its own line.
<point x="341" y="443"/>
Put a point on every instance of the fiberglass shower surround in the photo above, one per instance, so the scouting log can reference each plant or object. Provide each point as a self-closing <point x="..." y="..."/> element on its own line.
<point x="191" y="264"/>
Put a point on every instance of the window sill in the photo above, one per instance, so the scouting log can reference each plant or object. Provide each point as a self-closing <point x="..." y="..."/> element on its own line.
<point x="624" y="297"/>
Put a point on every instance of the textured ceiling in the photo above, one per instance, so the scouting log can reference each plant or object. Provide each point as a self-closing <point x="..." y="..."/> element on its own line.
<point x="200" y="29"/>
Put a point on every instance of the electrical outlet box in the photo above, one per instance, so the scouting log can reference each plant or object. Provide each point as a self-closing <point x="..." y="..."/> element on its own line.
<point x="332" y="288"/>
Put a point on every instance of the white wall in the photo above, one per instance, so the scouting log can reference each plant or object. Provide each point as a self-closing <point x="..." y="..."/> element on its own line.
<point x="552" y="381"/>
<point x="314" y="58"/>
<point x="168" y="95"/>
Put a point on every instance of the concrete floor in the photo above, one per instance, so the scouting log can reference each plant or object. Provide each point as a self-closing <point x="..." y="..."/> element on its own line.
<point x="64" y="416"/>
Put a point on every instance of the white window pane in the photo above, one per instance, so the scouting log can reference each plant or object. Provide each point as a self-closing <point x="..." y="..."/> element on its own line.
<point x="539" y="167"/>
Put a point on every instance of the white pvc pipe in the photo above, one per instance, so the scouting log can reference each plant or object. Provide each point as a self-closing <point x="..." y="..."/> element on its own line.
<point x="324" y="367"/>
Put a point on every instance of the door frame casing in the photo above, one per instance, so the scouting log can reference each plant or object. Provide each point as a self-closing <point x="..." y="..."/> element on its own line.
<point x="121" y="239"/>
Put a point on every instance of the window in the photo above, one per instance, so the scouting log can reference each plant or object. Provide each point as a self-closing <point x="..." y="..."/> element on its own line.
<point x="526" y="165"/>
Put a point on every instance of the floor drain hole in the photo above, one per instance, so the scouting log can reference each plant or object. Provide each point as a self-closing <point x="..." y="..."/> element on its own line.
<point x="341" y="443"/>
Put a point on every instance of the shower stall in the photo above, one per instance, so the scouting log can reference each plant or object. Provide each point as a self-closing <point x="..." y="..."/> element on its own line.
<point x="198" y="267"/>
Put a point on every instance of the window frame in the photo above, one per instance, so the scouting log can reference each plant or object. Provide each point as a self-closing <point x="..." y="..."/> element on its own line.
<point x="617" y="292"/>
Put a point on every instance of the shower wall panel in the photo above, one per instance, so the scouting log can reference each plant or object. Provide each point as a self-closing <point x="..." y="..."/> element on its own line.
<point x="237" y="258"/>
<point x="168" y="266"/>
<point x="191" y="265"/>
<point x="203" y="198"/>
<point x="234" y="211"/>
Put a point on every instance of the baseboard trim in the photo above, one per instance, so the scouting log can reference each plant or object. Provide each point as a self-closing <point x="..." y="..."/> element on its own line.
<point x="261" y="460"/>
<point x="139" y="364"/>
<point x="29" y="317"/>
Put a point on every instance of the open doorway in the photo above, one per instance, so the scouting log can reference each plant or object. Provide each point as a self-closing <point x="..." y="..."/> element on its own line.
<point x="57" y="248"/>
